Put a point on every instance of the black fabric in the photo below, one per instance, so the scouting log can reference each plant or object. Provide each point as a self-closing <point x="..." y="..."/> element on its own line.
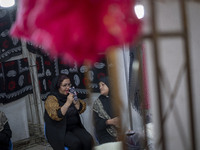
<point x="99" y="69"/>
<point x="77" y="139"/>
<point x="34" y="49"/>
<point x="100" y="124"/>
<point x="55" y="132"/>
<point x="2" y="85"/>
<point x="47" y="69"/>
<point x="16" y="79"/>
<point x="5" y="136"/>
<point x="9" y="46"/>
<point x="107" y="105"/>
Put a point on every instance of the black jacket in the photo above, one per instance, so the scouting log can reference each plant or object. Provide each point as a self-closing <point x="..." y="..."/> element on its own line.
<point x="55" y="130"/>
<point x="100" y="123"/>
<point x="5" y="136"/>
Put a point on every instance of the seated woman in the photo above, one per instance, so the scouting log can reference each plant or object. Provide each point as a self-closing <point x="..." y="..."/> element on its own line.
<point x="105" y="122"/>
<point x="5" y="132"/>
<point x="63" y="124"/>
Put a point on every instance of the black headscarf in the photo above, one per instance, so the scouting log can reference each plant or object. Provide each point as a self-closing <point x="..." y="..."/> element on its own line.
<point x="106" y="100"/>
<point x="105" y="80"/>
<point x="54" y="90"/>
<point x="53" y="86"/>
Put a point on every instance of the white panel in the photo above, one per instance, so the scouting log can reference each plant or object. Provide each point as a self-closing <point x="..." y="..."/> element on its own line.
<point x="171" y="58"/>
<point x="17" y="118"/>
<point x="194" y="33"/>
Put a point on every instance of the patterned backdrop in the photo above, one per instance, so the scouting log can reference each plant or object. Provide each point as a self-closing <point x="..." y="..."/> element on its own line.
<point x="15" y="80"/>
<point x="9" y="47"/>
<point x="49" y="68"/>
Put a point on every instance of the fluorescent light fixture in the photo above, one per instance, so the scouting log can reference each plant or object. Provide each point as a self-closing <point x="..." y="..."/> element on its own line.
<point x="139" y="10"/>
<point x="7" y="3"/>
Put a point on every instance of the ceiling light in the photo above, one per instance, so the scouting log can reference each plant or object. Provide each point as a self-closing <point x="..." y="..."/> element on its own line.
<point x="139" y="10"/>
<point x="7" y="3"/>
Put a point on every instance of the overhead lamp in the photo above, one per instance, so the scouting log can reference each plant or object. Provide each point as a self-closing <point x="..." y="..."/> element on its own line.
<point x="7" y="3"/>
<point x="139" y="10"/>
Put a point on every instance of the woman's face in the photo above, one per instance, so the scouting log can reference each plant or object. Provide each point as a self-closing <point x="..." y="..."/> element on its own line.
<point x="64" y="86"/>
<point x="104" y="90"/>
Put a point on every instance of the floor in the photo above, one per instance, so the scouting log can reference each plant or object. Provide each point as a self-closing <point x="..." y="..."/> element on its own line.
<point x="39" y="147"/>
<point x="34" y="143"/>
<point x="43" y="145"/>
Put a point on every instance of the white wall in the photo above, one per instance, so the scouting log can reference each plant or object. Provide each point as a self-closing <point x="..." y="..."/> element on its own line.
<point x="171" y="57"/>
<point x="16" y="113"/>
<point x="194" y="32"/>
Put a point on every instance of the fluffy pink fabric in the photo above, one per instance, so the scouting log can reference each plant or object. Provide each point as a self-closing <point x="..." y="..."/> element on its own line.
<point x="76" y="30"/>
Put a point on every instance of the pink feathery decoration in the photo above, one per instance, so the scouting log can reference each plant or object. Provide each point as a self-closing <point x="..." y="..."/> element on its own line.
<point x="76" y="30"/>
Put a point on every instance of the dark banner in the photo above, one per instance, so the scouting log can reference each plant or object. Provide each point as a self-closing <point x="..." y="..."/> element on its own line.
<point x="49" y="68"/>
<point x="46" y="69"/>
<point x="15" y="74"/>
<point x="2" y="84"/>
<point x="98" y="70"/>
<point x="9" y="47"/>
<point x="34" y="49"/>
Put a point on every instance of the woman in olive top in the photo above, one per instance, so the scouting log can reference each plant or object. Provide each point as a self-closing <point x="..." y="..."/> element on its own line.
<point x="63" y="124"/>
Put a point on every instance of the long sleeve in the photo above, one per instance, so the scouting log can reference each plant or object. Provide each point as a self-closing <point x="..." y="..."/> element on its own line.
<point x="53" y="109"/>
<point x="82" y="106"/>
<point x="100" y="123"/>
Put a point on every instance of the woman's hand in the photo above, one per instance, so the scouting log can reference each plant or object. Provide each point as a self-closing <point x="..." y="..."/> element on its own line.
<point x="113" y="121"/>
<point x="77" y="104"/>
<point x="70" y="99"/>
<point x="116" y="122"/>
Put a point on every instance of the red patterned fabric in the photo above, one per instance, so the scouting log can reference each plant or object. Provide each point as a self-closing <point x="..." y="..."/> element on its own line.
<point x="76" y="29"/>
<point x="15" y="80"/>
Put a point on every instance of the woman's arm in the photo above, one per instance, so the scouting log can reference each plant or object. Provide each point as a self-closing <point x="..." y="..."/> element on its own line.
<point x="65" y="107"/>
<point x="53" y="109"/>
<point x="51" y="106"/>
<point x="80" y="105"/>
<point x="113" y="121"/>
<point x="76" y="104"/>
<point x="99" y="123"/>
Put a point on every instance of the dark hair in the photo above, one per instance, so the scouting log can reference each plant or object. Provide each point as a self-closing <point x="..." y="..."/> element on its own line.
<point x="61" y="77"/>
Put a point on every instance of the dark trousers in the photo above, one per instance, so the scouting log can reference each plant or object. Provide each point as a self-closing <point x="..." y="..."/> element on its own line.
<point x="78" y="139"/>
